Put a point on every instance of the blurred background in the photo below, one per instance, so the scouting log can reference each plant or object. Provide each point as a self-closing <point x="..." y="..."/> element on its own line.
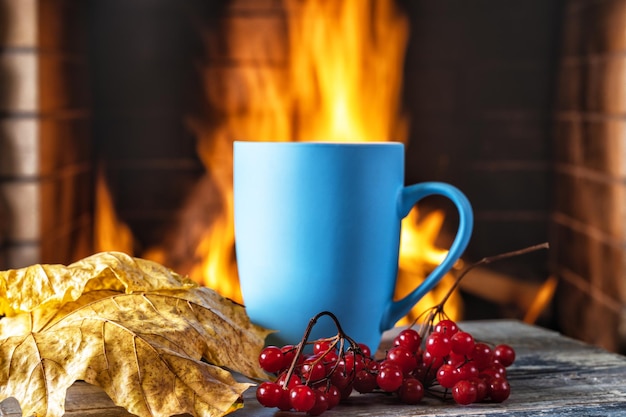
<point x="117" y="118"/>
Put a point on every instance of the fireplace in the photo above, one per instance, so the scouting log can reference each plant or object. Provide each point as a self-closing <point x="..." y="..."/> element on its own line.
<point x="518" y="103"/>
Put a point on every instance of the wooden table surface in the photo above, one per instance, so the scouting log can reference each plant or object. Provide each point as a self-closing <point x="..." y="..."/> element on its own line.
<point x="552" y="376"/>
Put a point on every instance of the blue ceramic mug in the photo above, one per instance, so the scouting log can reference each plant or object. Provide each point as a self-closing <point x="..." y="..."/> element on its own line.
<point x="317" y="228"/>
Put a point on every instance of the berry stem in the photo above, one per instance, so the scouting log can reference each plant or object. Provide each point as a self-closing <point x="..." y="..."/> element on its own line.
<point x="305" y="338"/>
<point x="438" y="309"/>
<point x="487" y="260"/>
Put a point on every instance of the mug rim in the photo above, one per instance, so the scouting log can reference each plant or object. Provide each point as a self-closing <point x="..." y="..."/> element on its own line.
<point x="319" y="143"/>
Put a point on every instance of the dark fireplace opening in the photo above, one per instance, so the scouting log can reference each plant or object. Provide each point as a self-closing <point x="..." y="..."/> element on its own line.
<point x="518" y="103"/>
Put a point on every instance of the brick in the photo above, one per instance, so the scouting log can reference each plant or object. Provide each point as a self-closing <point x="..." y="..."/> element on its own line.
<point x="592" y="202"/>
<point x="507" y="86"/>
<point x="606" y="92"/>
<point x="22" y="202"/>
<point x="66" y="197"/>
<point x="62" y="25"/>
<point x="510" y="138"/>
<point x="482" y="30"/>
<point x="19" y="147"/>
<point x="513" y="188"/>
<point x="63" y="143"/>
<point x="145" y="136"/>
<point x="252" y="39"/>
<point x="19" y="91"/>
<point x="19" y="28"/>
<point x="510" y="231"/>
<point x="244" y="89"/>
<point x="432" y="89"/>
<point x="597" y="145"/>
<point x="68" y="244"/>
<point x="604" y="24"/>
<point x="256" y="6"/>
<point x="592" y="84"/>
<point x="141" y="191"/>
<point x="62" y="82"/>
<point x="570" y="89"/>
<point x="573" y="33"/>
<point x="595" y="323"/>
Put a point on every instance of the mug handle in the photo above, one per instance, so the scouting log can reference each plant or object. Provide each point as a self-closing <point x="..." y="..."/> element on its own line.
<point x="409" y="196"/>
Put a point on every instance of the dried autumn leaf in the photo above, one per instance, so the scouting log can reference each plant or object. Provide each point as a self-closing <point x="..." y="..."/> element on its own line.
<point x="154" y="353"/>
<point x="23" y="290"/>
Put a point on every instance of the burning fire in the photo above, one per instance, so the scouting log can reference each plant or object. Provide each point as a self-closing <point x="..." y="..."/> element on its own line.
<point x="341" y="82"/>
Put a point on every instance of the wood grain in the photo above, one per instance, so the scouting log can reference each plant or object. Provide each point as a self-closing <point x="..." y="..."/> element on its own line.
<point x="552" y="376"/>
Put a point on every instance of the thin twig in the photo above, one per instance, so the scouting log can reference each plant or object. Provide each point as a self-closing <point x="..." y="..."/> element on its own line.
<point x="488" y="260"/>
<point x="305" y="338"/>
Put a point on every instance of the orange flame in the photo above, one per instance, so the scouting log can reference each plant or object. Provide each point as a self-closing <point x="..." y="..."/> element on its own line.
<point x="346" y="63"/>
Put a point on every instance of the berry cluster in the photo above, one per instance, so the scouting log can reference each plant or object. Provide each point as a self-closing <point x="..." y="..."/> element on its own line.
<point x="447" y="362"/>
<point x="472" y="371"/>
<point x="311" y="382"/>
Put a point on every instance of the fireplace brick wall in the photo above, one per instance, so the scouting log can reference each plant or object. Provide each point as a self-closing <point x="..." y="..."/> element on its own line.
<point x="479" y="90"/>
<point x="588" y="217"/>
<point x="45" y="155"/>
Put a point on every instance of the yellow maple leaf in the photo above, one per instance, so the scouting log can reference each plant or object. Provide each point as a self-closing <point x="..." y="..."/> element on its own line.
<point x="160" y="352"/>
<point x="23" y="290"/>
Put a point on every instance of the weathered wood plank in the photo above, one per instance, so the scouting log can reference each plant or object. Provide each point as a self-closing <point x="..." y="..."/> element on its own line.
<point x="552" y="376"/>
